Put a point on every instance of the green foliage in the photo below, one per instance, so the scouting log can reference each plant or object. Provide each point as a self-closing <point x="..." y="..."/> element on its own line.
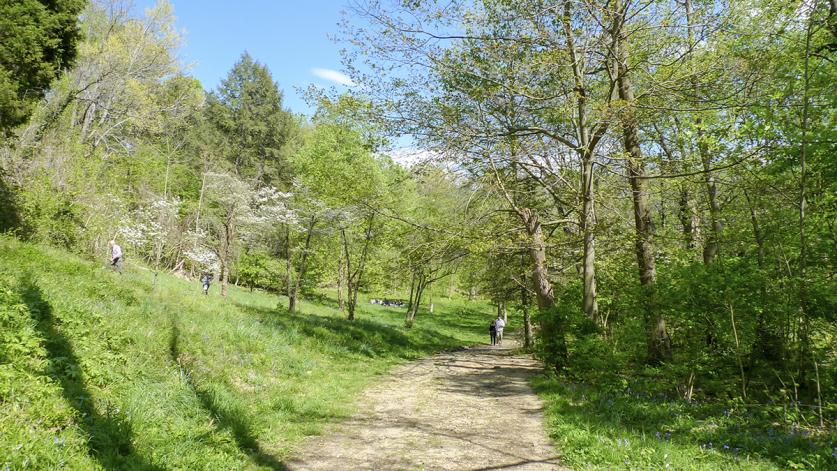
<point x="247" y="109"/>
<point x="259" y="269"/>
<point x="100" y="370"/>
<point x="634" y="426"/>
<point x="37" y="41"/>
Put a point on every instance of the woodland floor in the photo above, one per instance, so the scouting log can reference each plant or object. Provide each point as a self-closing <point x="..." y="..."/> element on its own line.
<point x="470" y="409"/>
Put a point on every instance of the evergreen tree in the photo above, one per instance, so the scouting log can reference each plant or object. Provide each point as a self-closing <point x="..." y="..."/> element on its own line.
<point x="37" y="39"/>
<point x="247" y="109"/>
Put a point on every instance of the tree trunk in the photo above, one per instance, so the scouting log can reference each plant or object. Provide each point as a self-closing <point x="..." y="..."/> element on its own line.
<point x="224" y="256"/>
<point x="412" y="291"/>
<point x="421" y="284"/>
<point x="341" y="303"/>
<point x="293" y="292"/>
<point x="804" y="319"/>
<point x="711" y="249"/>
<point x="552" y="326"/>
<point x="472" y="293"/>
<point x="767" y="345"/>
<point x="353" y="280"/>
<point x="527" y="321"/>
<point x="590" y="304"/>
<point x="289" y="281"/>
<point x="658" y="342"/>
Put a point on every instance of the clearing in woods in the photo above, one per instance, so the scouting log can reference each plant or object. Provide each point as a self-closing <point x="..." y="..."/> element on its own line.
<point x="470" y="409"/>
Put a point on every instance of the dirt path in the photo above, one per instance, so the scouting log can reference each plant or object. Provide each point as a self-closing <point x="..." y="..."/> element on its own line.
<point x="466" y="410"/>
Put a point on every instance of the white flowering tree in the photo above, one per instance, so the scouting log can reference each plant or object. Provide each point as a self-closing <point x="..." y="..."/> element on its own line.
<point x="152" y="228"/>
<point x="228" y="202"/>
<point x="239" y="213"/>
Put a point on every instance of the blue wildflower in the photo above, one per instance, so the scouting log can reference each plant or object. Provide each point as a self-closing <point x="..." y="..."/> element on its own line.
<point x="726" y="447"/>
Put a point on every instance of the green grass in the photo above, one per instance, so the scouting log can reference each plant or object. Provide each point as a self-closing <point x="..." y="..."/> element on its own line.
<point x="106" y="371"/>
<point x="599" y="429"/>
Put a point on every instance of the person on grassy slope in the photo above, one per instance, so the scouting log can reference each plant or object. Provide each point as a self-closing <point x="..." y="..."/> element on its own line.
<point x="116" y="256"/>
<point x="499" y="325"/>
<point x="206" y="278"/>
<point x="492" y="330"/>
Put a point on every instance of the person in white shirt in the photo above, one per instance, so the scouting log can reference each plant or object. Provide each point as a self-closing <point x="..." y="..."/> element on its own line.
<point x="115" y="256"/>
<point x="499" y="324"/>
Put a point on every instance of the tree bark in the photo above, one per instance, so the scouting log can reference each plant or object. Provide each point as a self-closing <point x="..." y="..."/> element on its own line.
<point x="658" y="342"/>
<point x="354" y="278"/>
<point x="415" y="303"/>
<point x="341" y="303"/>
<point x="293" y="292"/>
<point x="289" y="270"/>
<point x="711" y="249"/>
<point x="804" y="318"/>
<point x="527" y="321"/>
<point x="225" y="255"/>
<point x="590" y="303"/>
<point x="552" y="326"/>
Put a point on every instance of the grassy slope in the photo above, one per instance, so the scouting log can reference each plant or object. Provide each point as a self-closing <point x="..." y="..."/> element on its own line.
<point x="100" y="370"/>
<point x="599" y="429"/>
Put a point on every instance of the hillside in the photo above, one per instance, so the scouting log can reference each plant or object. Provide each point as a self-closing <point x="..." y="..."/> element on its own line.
<point x="106" y="371"/>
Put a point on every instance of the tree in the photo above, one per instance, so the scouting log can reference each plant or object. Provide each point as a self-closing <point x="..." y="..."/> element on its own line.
<point x="338" y="167"/>
<point x="37" y="42"/>
<point x="247" y="109"/>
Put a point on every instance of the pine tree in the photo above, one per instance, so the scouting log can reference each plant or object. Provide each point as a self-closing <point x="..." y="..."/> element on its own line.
<point x="247" y="109"/>
<point x="37" y="40"/>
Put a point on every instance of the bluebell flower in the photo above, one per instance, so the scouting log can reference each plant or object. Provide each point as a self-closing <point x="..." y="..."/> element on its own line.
<point x="668" y="435"/>
<point x="658" y="435"/>
<point x="726" y="447"/>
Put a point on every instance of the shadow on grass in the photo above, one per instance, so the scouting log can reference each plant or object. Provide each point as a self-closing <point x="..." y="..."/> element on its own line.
<point x="9" y="217"/>
<point x="227" y="419"/>
<point x="467" y="316"/>
<point x="109" y="437"/>
<point x="361" y="337"/>
<point x="731" y="433"/>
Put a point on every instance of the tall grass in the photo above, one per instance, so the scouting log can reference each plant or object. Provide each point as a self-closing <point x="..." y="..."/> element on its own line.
<point x="598" y="428"/>
<point x="106" y="371"/>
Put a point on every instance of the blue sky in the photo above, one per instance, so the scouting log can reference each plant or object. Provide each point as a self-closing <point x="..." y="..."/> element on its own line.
<point x="289" y="36"/>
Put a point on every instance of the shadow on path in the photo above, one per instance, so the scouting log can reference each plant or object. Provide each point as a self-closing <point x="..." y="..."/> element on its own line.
<point x="226" y="418"/>
<point x="469" y="409"/>
<point x="109" y="436"/>
<point x="361" y="337"/>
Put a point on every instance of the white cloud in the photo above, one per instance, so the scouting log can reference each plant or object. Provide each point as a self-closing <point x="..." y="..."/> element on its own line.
<point x="334" y="76"/>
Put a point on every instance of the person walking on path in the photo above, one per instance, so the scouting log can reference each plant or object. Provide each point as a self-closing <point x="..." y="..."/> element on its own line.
<point x="492" y="330"/>
<point x="499" y="325"/>
<point x="206" y="278"/>
<point x="116" y="256"/>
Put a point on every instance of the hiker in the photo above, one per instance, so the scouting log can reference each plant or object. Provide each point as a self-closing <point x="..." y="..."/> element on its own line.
<point x="206" y="278"/>
<point x="500" y="324"/>
<point x="115" y="256"/>
<point x="492" y="329"/>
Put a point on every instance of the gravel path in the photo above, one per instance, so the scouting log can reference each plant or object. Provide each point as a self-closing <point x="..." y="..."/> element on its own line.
<point x="466" y="410"/>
